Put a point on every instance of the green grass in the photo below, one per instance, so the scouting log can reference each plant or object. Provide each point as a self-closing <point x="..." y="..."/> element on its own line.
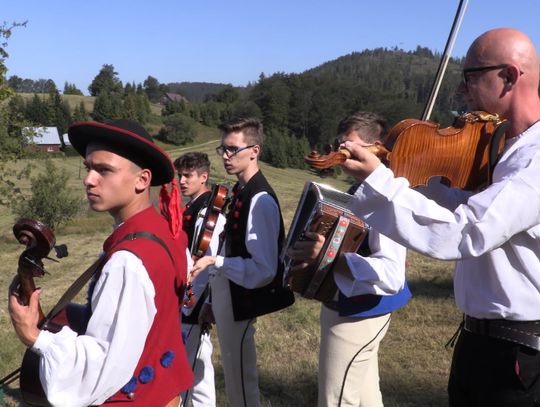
<point x="414" y="363"/>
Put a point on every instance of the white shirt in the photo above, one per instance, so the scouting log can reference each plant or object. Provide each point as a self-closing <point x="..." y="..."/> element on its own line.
<point x="381" y="273"/>
<point x="262" y="235"/>
<point x="82" y="370"/>
<point x="494" y="235"/>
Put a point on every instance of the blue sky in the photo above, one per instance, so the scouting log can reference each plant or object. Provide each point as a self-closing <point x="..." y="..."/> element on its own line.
<point x="232" y="41"/>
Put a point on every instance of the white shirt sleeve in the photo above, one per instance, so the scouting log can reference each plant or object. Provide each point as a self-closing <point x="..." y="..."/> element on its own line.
<point x="445" y="196"/>
<point x="381" y="273"/>
<point x="262" y="234"/>
<point x="488" y="219"/>
<point x="82" y="370"/>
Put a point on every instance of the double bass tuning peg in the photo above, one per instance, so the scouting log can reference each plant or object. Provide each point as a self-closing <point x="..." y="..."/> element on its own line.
<point x="61" y="251"/>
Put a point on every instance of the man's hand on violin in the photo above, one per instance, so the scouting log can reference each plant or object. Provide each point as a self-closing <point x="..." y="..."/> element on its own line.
<point x="206" y="318"/>
<point x="362" y="163"/>
<point x="305" y="252"/>
<point x="24" y="318"/>
<point x="200" y="265"/>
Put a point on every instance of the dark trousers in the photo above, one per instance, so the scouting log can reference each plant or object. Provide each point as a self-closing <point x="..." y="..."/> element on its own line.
<point x="489" y="372"/>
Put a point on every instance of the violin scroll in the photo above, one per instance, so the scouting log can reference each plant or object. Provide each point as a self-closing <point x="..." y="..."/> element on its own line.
<point x="333" y="158"/>
<point x="322" y="162"/>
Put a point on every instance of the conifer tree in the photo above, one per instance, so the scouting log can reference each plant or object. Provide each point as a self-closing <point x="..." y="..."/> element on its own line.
<point x="105" y="81"/>
<point x="71" y="89"/>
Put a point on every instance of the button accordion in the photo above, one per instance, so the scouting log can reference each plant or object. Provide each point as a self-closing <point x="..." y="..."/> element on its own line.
<point x="323" y="210"/>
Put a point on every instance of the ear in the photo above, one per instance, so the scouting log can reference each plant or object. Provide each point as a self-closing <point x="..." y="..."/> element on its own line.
<point x="256" y="150"/>
<point x="204" y="175"/>
<point x="512" y="73"/>
<point x="143" y="180"/>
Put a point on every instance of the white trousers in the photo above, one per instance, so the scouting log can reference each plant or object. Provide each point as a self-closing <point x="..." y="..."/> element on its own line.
<point x="199" y="350"/>
<point x="237" y="345"/>
<point x="348" y="362"/>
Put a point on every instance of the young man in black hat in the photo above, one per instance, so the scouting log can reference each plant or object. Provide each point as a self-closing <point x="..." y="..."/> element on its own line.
<point x="246" y="278"/>
<point x="132" y="350"/>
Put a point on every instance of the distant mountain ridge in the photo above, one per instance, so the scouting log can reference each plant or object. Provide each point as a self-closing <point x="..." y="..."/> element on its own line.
<point x="384" y="70"/>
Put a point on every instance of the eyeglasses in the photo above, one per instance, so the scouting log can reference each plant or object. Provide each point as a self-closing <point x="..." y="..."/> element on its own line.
<point x="468" y="71"/>
<point x="231" y="151"/>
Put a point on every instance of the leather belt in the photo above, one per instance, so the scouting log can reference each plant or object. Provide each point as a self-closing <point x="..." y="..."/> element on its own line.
<point x="526" y="333"/>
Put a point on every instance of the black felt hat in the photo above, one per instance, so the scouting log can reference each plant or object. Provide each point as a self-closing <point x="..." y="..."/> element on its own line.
<point x="128" y="139"/>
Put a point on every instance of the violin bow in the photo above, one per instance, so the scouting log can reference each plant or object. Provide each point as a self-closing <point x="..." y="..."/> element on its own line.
<point x="445" y="58"/>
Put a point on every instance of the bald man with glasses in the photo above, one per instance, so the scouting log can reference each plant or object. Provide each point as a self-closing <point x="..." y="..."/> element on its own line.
<point x="494" y="234"/>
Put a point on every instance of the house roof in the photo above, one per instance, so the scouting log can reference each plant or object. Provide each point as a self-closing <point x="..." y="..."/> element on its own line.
<point x="175" y="97"/>
<point x="44" y="135"/>
<point x="66" y="139"/>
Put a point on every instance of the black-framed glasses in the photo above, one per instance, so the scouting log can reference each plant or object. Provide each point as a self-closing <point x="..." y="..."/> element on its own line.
<point x="468" y="71"/>
<point x="230" y="151"/>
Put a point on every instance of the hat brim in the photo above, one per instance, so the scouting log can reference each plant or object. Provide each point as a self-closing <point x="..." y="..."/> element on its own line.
<point x="136" y="148"/>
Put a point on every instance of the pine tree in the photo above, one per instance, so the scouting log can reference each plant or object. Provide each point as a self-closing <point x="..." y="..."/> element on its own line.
<point x="71" y="89"/>
<point x="37" y="111"/>
<point x="80" y="114"/>
<point x="106" y="81"/>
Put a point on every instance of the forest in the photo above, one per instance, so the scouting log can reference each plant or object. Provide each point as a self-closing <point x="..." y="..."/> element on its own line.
<point x="299" y="111"/>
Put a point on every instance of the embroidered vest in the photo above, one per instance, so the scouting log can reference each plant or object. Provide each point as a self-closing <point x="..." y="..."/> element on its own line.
<point x="163" y="371"/>
<point x="250" y="303"/>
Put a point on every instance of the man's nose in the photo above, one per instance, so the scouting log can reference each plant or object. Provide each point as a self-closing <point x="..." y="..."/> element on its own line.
<point x="89" y="179"/>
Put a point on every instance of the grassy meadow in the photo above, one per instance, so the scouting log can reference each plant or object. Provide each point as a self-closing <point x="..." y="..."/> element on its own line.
<point x="414" y="363"/>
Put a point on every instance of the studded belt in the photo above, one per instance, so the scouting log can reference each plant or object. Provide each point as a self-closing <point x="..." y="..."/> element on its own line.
<point x="526" y="333"/>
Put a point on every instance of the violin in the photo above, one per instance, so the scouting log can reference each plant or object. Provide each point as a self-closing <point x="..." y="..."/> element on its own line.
<point x="463" y="155"/>
<point x="216" y="203"/>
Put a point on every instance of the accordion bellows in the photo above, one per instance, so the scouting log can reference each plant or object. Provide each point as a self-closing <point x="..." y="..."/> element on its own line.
<point x="324" y="210"/>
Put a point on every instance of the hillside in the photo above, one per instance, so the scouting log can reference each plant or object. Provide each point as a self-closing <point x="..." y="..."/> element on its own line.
<point x="88" y="101"/>
<point x="413" y="361"/>
<point x="301" y="111"/>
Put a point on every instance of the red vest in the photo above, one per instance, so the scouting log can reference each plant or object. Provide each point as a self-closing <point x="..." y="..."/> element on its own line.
<point x="163" y="371"/>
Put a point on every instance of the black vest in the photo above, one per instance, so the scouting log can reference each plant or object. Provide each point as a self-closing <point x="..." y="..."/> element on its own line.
<point x="189" y="217"/>
<point x="250" y="303"/>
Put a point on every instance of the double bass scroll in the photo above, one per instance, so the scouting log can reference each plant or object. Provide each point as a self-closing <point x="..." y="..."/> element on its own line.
<point x="39" y="241"/>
